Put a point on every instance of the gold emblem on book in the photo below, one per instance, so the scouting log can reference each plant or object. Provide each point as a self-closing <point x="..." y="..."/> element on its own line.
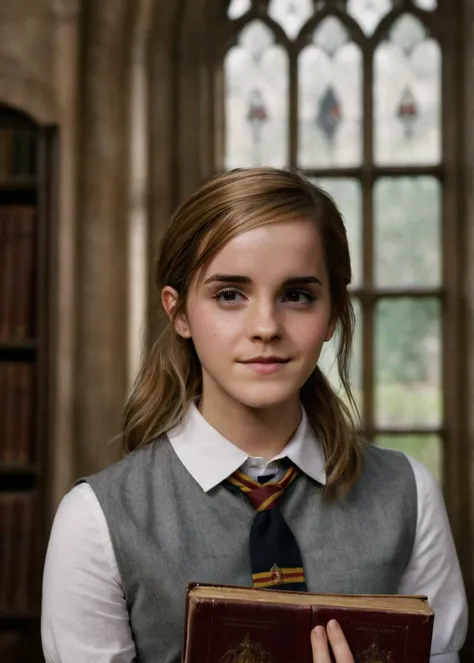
<point x="375" y="655"/>
<point x="276" y="575"/>
<point x="247" y="652"/>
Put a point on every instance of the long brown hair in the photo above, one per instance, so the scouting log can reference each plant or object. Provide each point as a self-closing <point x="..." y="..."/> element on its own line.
<point x="222" y="208"/>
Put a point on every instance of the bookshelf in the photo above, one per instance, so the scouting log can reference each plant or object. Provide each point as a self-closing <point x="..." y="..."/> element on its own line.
<point x="23" y="384"/>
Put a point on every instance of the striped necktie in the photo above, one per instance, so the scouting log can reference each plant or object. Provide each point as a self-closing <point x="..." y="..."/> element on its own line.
<point x="274" y="552"/>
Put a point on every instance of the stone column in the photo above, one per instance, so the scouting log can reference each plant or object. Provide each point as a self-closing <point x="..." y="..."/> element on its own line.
<point x="101" y="271"/>
<point x="61" y="442"/>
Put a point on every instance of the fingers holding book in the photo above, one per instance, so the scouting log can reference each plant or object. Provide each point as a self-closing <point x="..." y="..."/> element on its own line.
<point x="321" y="638"/>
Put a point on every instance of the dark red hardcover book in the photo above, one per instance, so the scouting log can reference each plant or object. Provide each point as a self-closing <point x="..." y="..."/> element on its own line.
<point x="3" y="253"/>
<point x="7" y="414"/>
<point x="25" y="217"/>
<point x="7" y="285"/>
<point x="18" y="553"/>
<point x="238" y="624"/>
<point x="25" y="437"/>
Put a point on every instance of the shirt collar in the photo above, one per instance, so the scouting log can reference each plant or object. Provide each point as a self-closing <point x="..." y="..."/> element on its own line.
<point x="210" y="457"/>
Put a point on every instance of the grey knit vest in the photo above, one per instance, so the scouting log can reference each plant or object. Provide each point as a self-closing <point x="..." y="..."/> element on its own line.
<point x="166" y="531"/>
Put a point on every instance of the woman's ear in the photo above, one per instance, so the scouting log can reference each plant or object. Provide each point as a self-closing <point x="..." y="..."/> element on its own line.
<point x="170" y="300"/>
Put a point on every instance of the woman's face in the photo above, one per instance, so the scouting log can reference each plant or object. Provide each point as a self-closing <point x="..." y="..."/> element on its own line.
<point x="260" y="315"/>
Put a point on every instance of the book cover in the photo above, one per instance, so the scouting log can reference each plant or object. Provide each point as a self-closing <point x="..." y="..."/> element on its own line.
<point x="241" y="625"/>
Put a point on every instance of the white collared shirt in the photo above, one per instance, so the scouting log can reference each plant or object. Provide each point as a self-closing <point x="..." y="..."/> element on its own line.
<point x="85" y="617"/>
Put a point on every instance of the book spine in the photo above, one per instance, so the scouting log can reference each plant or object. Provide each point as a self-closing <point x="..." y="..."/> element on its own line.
<point x="6" y="517"/>
<point x="13" y="294"/>
<point x="17" y="413"/>
<point x="10" y="646"/>
<point x="3" y="411"/>
<point x="18" y="552"/>
<point x="3" y="301"/>
<point x="7" y="284"/>
<point x="6" y="139"/>
<point x="20" y="153"/>
<point x="17" y="271"/>
<point x="23" y="588"/>
<point x="8" y="413"/>
<point x="25" y="271"/>
<point x="26" y="435"/>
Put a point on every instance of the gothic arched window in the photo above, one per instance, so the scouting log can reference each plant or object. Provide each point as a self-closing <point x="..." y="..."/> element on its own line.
<point x="350" y="92"/>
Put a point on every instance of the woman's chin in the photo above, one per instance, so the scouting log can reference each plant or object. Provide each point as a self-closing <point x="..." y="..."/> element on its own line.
<point x="267" y="396"/>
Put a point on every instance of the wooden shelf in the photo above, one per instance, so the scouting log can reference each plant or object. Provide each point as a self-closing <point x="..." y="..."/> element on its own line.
<point x="18" y="183"/>
<point x="18" y="482"/>
<point x="19" y="344"/>
<point x="19" y="350"/>
<point x="11" y="620"/>
<point x="12" y="469"/>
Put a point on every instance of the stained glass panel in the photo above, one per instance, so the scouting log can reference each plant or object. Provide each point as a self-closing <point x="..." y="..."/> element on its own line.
<point x="427" y="5"/>
<point x="238" y="8"/>
<point x="407" y="228"/>
<point x="368" y="13"/>
<point x="426" y="448"/>
<point x="330" y="99"/>
<point x="256" y="100"/>
<point x="291" y="14"/>
<point x="407" y="73"/>
<point x="348" y="197"/>
<point x="408" y="363"/>
<point x="328" y="361"/>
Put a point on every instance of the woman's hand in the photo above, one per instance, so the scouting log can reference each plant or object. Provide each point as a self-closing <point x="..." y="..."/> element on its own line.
<point x="339" y="646"/>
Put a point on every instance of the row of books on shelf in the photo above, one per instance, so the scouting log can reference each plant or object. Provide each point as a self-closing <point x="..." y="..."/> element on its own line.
<point x="19" y="553"/>
<point x="17" y="271"/>
<point x="14" y="647"/>
<point x="17" y="413"/>
<point x="18" y="149"/>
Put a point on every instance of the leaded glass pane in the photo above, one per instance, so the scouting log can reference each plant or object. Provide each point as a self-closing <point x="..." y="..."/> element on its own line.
<point x="348" y="197"/>
<point x="330" y="99"/>
<point x="408" y="363"/>
<point x="427" y="5"/>
<point x="407" y="73"/>
<point x="368" y="13"/>
<point x="238" y="8"/>
<point x="291" y="14"/>
<point x="328" y="361"/>
<point x="407" y="228"/>
<point x="426" y="448"/>
<point x="256" y="100"/>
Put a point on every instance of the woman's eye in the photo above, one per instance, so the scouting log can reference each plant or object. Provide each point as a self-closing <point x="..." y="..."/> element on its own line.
<point x="298" y="296"/>
<point x="228" y="296"/>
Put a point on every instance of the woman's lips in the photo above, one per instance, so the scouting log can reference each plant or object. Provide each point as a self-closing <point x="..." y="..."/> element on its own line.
<point x="266" y="365"/>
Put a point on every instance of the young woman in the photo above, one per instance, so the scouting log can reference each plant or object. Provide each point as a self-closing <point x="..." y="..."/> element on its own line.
<point x="253" y="272"/>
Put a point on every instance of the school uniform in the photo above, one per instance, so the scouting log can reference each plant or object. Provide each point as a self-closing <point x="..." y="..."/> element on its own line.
<point x="126" y="540"/>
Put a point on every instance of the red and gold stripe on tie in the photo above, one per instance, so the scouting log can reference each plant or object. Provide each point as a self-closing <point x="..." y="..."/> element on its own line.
<point x="278" y="576"/>
<point x="263" y="496"/>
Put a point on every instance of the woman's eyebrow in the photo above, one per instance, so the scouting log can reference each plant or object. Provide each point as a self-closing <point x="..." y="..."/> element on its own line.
<point x="228" y="278"/>
<point x="302" y="280"/>
<point x="246" y="280"/>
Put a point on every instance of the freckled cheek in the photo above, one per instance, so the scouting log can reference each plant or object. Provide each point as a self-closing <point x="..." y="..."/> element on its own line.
<point x="219" y="328"/>
<point x="308" y="332"/>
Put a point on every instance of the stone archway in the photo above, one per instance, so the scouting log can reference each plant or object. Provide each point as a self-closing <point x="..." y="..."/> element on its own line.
<point x="25" y="93"/>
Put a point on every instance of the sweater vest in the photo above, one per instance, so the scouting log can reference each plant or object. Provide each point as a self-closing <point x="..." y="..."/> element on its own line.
<point x="166" y="531"/>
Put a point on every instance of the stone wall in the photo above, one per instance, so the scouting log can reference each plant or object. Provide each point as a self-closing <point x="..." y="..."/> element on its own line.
<point x="26" y="57"/>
